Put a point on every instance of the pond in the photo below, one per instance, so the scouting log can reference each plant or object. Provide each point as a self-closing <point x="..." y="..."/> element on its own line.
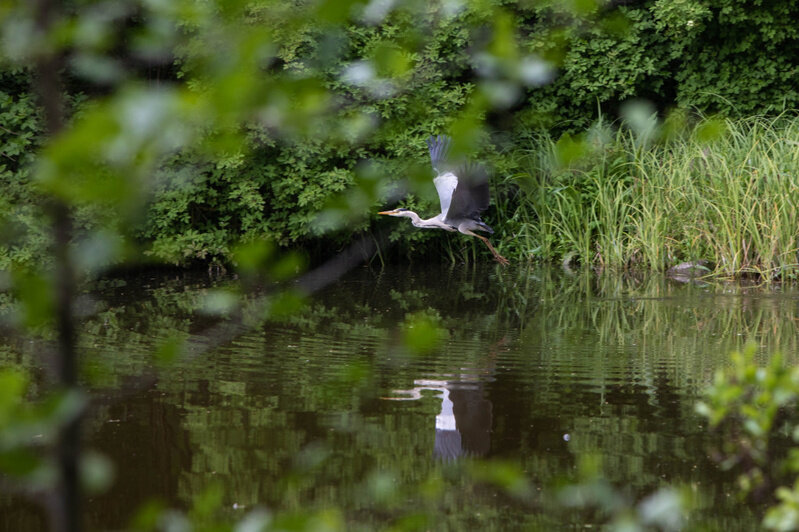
<point x="330" y="414"/>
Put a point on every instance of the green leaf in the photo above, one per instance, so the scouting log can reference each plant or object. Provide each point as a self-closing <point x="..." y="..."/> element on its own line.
<point x="285" y="304"/>
<point x="252" y="256"/>
<point x="19" y="462"/>
<point x="13" y="384"/>
<point x="97" y="472"/>
<point x="710" y="130"/>
<point x="219" y="302"/>
<point x="421" y="334"/>
<point x="36" y="296"/>
<point x="169" y="349"/>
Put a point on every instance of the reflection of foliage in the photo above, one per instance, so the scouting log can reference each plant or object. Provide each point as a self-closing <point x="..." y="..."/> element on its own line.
<point x="634" y="310"/>
<point x="311" y="381"/>
<point x="23" y="419"/>
<point x="121" y="338"/>
<point x="308" y="383"/>
<point x="422" y="332"/>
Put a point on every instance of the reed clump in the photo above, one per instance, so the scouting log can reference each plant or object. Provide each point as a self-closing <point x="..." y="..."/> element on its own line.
<point x="720" y="190"/>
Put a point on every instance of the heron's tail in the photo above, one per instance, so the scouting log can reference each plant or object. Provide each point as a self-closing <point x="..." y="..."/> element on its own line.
<point x="482" y="226"/>
<point x="439" y="148"/>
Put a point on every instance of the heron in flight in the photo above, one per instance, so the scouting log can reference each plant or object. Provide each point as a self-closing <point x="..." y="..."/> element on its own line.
<point x="463" y="193"/>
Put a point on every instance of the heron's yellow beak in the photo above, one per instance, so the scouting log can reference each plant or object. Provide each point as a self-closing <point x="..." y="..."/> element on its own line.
<point x="386" y="212"/>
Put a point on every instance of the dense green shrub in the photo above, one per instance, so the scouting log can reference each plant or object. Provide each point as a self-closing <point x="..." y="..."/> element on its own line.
<point x="396" y="80"/>
<point x="733" y="57"/>
<point x="276" y="186"/>
<point x="19" y="135"/>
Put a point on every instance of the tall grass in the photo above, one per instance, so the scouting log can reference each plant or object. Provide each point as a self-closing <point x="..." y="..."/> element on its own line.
<point x="725" y="191"/>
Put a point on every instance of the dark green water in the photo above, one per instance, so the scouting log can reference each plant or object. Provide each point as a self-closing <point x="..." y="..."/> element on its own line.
<point x="328" y="411"/>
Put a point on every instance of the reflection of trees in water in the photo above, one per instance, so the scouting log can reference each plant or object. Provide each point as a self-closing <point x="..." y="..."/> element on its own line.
<point x="145" y="438"/>
<point x="652" y="329"/>
<point x="614" y="361"/>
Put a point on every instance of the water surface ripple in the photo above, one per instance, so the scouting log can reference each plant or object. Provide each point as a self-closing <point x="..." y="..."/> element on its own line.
<point x="329" y="408"/>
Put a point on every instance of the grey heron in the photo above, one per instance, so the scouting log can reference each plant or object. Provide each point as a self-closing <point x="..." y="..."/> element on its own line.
<point x="463" y="193"/>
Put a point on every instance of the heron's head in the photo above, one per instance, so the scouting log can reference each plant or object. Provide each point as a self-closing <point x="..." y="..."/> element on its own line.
<point x="395" y="212"/>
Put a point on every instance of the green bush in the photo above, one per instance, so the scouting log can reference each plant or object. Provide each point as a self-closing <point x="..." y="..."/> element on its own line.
<point x="391" y="83"/>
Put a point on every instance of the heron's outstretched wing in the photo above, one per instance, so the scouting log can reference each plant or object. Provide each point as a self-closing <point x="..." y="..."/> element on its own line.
<point x="462" y="190"/>
<point x="439" y="152"/>
<point x="445" y="185"/>
<point x="445" y="181"/>
<point x="471" y="196"/>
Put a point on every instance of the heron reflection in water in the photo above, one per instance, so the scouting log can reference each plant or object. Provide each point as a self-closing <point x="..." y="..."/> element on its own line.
<point x="463" y="426"/>
<point x="462" y="192"/>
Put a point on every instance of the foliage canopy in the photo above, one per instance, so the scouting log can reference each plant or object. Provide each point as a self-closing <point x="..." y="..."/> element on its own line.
<point x="287" y="120"/>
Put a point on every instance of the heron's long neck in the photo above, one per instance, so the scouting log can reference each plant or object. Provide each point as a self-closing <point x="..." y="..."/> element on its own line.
<point x="417" y="221"/>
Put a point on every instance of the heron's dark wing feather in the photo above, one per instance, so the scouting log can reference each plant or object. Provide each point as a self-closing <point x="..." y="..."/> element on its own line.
<point x="462" y="188"/>
<point x="439" y="151"/>
<point x="471" y="196"/>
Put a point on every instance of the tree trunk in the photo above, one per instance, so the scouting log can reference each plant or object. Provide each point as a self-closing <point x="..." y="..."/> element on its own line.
<point x="65" y="513"/>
